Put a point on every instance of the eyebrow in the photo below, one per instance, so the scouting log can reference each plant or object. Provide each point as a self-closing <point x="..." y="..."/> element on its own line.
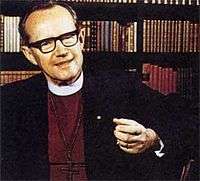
<point x="37" y="43"/>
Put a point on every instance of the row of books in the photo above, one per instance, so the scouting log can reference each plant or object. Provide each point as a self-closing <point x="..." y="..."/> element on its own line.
<point x="110" y="36"/>
<point x="103" y="1"/>
<point x="12" y="76"/>
<point x="169" y="80"/>
<point x="170" y="36"/>
<point x="158" y="36"/>
<point x="9" y="37"/>
<point x="159" y="78"/>
<point x="100" y="35"/>
<point x="171" y="2"/>
<point x="186" y="82"/>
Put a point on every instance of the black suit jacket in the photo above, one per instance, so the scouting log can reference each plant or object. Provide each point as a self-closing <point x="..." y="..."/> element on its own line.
<point x="24" y="123"/>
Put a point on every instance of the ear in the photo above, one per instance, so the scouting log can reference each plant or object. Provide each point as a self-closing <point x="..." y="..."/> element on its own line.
<point x="28" y="54"/>
<point x="82" y="37"/>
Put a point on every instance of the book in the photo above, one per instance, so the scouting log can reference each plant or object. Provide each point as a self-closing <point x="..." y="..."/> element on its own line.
<point x="144" y="34"/>
<point x="166" y="79"/>
<point x="12" y="76"/>
<point x="1" y="33"/>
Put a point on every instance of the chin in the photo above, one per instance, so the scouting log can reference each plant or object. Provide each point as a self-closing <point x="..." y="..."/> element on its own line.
<point x="68" y="75"/>
<point x="70" y="79"/>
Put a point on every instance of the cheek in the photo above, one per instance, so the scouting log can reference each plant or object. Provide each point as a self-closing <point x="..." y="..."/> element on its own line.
<point x="44" y="65"/>
<point x="40" y="58"/>
<point x="75" y="66"/>
<point x="80" y="53"/>
<point x="80" y="61"/>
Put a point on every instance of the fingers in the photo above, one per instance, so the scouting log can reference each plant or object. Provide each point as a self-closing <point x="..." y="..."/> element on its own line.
<point x="134" y="150"/>
<point x="129" y="138"/>
<point x="134" y="130"/>
<point x="128" y="126"/>
<point x="124" y="121"/>
<point x="130" y="145"/>
<point x="130" y="135"/>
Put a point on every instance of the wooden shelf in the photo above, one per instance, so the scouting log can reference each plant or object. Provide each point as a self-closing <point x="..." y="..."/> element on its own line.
<point x="107" y="60"/>
<point x="114" y="11"/>
<point x="176" y="59"/>
<point x="15" y="61"/>
<point x="101" y="60"/>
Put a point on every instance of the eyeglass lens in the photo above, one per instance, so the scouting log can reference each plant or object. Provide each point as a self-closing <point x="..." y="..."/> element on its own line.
<point x="50" y="44"/>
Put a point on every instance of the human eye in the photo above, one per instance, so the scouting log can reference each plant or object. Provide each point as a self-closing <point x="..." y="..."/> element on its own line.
<point x="68" y="39"/>
<point x="46" y="43"/>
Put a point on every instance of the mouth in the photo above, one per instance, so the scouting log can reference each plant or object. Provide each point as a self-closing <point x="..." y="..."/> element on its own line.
<point x="63" y="62"/>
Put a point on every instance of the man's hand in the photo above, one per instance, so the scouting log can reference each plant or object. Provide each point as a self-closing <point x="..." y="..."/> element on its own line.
<point x="133" y="137"/>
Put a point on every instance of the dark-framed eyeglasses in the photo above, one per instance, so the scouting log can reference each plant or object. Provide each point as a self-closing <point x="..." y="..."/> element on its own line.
<point x="49" y="44"/>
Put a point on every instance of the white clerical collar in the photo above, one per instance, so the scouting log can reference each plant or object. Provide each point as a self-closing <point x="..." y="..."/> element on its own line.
<point x="67" y="89"/>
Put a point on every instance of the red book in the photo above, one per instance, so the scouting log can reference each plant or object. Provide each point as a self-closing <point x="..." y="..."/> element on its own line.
<point x="174" y="82"/>
<point x="159" y="79"/>
<point x="155" y="77"/>
<point x="165" y="80"/>
<point x="151" y="67"/>
<point x="170" y="80"/>
<point x="146" y="73"/>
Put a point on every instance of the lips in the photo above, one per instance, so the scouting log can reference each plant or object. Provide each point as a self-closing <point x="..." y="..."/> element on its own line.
<point x="63" y="62"/>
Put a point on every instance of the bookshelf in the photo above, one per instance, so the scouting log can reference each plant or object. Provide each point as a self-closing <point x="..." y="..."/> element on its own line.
<point x="166" y="35"/>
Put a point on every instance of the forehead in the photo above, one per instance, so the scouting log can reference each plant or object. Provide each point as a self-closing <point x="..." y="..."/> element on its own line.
<point x="49" y="23"/>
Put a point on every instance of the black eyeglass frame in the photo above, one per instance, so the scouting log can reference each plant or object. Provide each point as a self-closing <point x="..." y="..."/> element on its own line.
<point x="37" y="44"/>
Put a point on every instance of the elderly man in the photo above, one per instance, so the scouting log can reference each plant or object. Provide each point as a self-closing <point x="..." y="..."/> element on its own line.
<point x="68" y="124"/>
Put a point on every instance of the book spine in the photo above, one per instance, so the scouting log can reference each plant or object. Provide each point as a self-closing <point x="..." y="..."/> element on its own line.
<point x="148" y="37"/>
<point x="174" y="82"/>
<point x="170" y="80"/>
<point x="184" y="37"/>
<point x="117" y="37"/>
<point x="191" y="35"/>
<point x="102" y="36"/>
<point x="5" y="34"/>
<point x="159" y="79"/>
<point x="1" y="33"/>
<point x="98" y="35"/>
<point x="179" y="36"/>
<point x="155" y="36"/>
<point x="187" y="36"/>
<point x="195" y="38"/>
<point x="151" y="35"/>
<point x="162" y="36"/>
<point x="106" y="36"/>
<point x="172" y="37"/>
<point x="144" y="35"/>
<point x="169" y="36"/>
<point x="158" y="36"/>
<point x="135" y="36"/>
<point x="146" y="73"/>
<point x="130" y="38"/>
<point x="156" y="77"/>
<point x="165" y="36"/>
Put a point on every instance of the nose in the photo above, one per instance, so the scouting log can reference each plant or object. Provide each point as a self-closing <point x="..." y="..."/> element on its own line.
<point x="60" y="49"/>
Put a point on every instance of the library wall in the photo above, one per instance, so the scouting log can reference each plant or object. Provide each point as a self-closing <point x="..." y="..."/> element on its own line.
<point x="159" y="39"/>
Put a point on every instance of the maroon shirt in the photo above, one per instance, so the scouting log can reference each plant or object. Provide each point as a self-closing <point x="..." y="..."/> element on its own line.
<point x="66" y="111"/>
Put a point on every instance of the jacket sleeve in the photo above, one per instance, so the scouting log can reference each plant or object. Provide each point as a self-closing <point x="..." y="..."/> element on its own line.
<point x="175" y="120"/>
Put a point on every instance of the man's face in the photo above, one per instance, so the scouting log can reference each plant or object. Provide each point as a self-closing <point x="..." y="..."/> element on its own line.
<point x="63" y="64"/>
